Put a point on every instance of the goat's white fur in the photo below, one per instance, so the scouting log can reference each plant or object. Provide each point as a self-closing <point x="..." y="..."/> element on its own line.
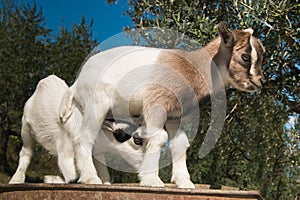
<point x="41" y="121"/>
<point x="118" y="80"/>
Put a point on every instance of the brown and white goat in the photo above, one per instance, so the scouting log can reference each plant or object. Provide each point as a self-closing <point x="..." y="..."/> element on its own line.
<point x="41" y="122"/>
<point x="158" y="87"/>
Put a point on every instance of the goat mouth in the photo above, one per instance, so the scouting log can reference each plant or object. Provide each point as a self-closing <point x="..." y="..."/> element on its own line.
<point x="247" y="87"/>
<point x="255" y="86"/>
<point x="252" y="88"/>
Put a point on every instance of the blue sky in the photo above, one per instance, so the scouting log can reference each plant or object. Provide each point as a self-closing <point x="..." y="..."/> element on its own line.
<point x="108" y="19"/>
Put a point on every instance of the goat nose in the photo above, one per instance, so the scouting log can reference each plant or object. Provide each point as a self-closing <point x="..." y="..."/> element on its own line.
<point x="262" y="80"/>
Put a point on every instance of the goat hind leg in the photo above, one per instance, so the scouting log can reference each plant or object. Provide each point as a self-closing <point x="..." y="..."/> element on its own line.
<point x="25" y="155"/>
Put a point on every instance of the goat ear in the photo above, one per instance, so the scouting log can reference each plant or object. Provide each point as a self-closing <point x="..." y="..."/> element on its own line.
<point x="249" y="30"/>
<point x="225" y="34"/>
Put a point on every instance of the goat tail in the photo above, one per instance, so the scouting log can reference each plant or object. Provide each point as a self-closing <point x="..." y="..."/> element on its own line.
<point x="66" y="106"/>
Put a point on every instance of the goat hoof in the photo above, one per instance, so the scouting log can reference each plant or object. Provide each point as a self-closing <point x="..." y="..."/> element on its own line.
<point x="17" y="180"/>
<point x="92" y="181"/>
<point x="185" y="184"/>
<point x="53" y="179"/>
<point x="151" y="182"/>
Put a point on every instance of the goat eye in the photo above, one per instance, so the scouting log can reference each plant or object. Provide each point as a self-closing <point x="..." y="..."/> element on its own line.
<point x="246" y="57"/>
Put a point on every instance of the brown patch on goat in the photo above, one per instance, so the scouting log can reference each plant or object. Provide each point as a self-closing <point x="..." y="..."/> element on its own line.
<point x="194" y="80"/>
<point x="182" y="82"/>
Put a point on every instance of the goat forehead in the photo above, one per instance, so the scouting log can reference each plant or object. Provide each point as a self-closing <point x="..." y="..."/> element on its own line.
<point x="250" y="44"/>
<point x="257" y="45"/>
<point x="254" y="56"/>
<point x="241" y="39"/>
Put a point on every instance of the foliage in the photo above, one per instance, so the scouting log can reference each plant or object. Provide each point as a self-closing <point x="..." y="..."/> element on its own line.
<point x="28" y="53"/>
<point x="71" y="49"/>
<point x="22" y="39"/>
<point x="256" y="150"/>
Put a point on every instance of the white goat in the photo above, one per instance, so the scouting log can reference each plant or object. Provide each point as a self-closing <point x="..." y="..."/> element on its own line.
<point x="41" y="121"/>
<point x="159" y="86"/>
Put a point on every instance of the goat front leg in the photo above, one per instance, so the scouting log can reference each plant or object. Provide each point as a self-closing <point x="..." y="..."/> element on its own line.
<point x="100" y="164"/>
<point x="66" y="159"/>
<point x="178" y="145"/>
<point x="91" y="126"/>
<point x="148" y="174"/>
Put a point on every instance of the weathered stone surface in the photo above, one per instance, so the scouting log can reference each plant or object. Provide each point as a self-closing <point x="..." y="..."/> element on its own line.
<point x="120" y="192"/>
